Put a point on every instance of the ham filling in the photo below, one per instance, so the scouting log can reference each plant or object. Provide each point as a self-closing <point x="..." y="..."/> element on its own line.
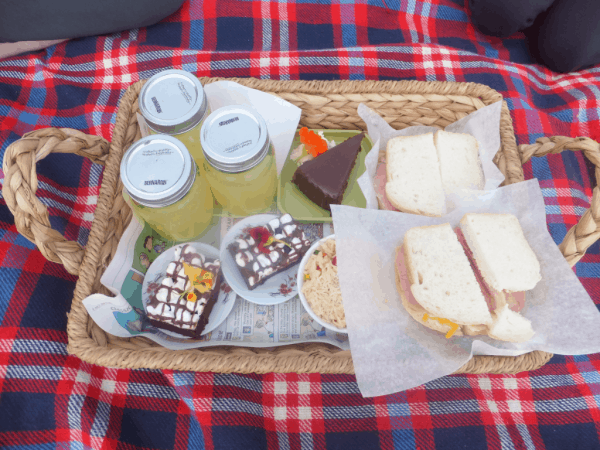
<point x="494" y="299"/>
<point x="379" y="183"/>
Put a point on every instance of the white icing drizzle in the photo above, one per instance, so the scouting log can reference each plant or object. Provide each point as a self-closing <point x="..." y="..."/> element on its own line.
<point x="162" y="294"/>
<point x="168" y="312"/>
<point x="263" y="260"/>
<point x="157" y="310"/>
<point x="239" y="259"/>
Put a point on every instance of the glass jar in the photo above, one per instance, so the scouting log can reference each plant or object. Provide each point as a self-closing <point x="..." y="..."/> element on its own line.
<point x="165" y="189"/>
<point x="239" y="160"/>
<point x="173" y="102"/>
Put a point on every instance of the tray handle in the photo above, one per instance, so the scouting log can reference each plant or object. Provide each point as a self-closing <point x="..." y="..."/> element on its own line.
<point x="21" y="184"/>
<point x="32" y="220"/>
<point x="587" y="231"/>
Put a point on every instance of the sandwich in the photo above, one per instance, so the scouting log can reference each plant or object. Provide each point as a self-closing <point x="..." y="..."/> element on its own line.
<point x="421" y="170"/>
<point x="469" y="281"/>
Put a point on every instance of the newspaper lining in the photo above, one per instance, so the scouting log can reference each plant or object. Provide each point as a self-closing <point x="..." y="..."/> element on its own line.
<point x="248" y="324"/>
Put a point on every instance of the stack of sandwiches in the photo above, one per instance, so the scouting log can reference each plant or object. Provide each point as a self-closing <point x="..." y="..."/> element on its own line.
<point x="469" y="281"/>
<point x="421" y="170"/>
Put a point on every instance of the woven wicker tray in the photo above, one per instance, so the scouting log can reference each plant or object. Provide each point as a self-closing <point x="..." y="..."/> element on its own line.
<point x="324" y="104"/>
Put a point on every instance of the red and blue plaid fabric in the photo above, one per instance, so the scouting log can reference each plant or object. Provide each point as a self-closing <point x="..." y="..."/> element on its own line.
<point x="50" y="400"/>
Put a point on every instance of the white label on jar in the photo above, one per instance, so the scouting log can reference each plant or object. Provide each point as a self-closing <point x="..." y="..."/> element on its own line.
<point x="157" y="152"/>
<point x="184" y="92"/>
<point x="236" y="147"/>
<point x="228" y="121"/>
<point x="155" y="167"/>
<point x="171" y="98"/>
<point x="233" y="133"/>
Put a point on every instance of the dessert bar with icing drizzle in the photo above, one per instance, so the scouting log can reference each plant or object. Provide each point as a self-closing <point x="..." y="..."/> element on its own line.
<point x="282" y="244"/>
<point x="178" y="306"/>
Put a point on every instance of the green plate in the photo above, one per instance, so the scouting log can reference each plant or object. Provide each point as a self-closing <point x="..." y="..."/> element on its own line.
<point x="289" y="198"/>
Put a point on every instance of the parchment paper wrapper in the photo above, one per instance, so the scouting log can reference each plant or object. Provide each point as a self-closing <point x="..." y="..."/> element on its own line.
<point x="281" y="117"/>
<point x="392" y="352"/>
<point x="483" y="124"/>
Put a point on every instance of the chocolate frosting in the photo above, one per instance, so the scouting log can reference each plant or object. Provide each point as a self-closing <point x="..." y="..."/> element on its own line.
<point x="324" y="179"/>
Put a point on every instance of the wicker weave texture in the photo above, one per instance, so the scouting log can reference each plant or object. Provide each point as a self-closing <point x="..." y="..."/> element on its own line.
<point x="324" y="104"/>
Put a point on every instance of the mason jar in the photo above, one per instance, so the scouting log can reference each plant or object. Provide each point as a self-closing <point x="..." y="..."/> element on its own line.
<point x="173" y="102"/>
<point x="239" y="160"/>
<point x="165" y="189"/>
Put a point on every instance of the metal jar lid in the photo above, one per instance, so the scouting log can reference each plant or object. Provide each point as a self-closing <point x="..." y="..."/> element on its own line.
<point x="157" y="171"/>
<point x="173" y="102"/>
<point x="234" y="138"/>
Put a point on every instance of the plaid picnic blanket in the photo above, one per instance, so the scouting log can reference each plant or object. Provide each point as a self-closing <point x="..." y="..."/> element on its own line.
<point x="50" y="400"/>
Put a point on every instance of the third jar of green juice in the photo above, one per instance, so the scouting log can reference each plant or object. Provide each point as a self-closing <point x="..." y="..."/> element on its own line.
<point x="173" y="102"/>
<point x="239" y="160"/>
<point x="163" y="186"/>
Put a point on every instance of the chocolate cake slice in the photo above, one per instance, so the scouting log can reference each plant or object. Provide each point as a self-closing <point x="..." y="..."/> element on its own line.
<point x="325" y="179"/>
<point x="264" y="251"/>
<point x="181" y="305"/>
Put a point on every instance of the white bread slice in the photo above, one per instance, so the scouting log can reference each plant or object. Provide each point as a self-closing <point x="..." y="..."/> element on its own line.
<point x="458" y="154"/>
<point x="414" y="183"/>
<point x="506" y="260"/>
<point x="417" y="312"/>
<point x="510" y="326"/>
<point x="441" y="277"/>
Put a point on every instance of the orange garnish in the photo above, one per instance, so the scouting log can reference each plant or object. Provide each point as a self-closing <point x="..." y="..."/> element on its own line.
<point x="189" y="296"/>
<point x="314" y="144"/>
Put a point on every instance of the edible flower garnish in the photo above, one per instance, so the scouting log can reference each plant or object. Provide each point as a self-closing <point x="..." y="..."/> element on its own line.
<point x="453" y="326"/>
<point x="189" y="296"/>
<point x="314" y="144"/>
<point x="202" y="280"/>
<point x="262" y="236"/>
<point x="334" y="261"/>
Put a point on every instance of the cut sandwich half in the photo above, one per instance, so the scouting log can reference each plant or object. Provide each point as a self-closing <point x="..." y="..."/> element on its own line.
<point x="419" y="171"/>
<point x="442" y="276"/>
<point x="501" y="251"/>
<point x="460" y="166"/>
<point x="414" y="183"/>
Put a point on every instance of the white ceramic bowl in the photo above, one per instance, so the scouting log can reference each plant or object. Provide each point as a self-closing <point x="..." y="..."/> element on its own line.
<point x="300" y="283"/>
